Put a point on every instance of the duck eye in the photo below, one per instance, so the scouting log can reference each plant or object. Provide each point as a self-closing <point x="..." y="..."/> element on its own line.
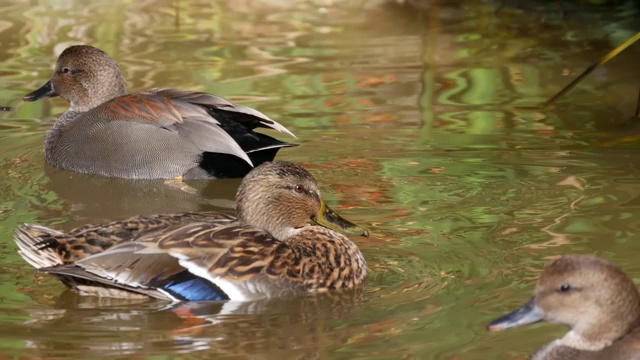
<point x="298" y="188"/>
<point x="564" y="288"/>
<point x="66" y="70"/>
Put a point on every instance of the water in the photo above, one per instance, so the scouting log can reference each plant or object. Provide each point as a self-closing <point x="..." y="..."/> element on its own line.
<point x="417" y="121"/>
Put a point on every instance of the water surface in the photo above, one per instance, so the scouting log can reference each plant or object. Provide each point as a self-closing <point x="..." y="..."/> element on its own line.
<point x="419" y="122"/>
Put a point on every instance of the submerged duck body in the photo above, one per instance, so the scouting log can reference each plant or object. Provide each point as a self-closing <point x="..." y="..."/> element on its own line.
<point x="154" y="134"/>
<point x="597" y="300"/>
<point x="274" y="247"/>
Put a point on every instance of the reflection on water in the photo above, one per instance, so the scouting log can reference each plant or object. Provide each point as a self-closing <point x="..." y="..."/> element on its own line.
<point x="118" y="327"/>
<point x="121" y="198"/>
<point x="417" y="117"/>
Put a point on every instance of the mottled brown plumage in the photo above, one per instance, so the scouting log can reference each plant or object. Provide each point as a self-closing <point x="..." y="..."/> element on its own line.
<point x="91" y="239"/>
<point x="157" y="133"/>
<point x="273" y="248"/>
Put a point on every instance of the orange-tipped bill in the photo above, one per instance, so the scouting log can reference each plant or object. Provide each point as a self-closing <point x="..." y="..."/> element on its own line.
<point x="527" y="314"/>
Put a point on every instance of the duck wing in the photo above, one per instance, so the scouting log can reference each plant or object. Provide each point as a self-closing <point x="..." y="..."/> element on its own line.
<point x="120" y="272"/>
<point x="185" y="122"/>
<point x="196" y="261"/>
<point x="237" y="121"/>
<point x="44" y="247"/>
<point x="244" y="115"/>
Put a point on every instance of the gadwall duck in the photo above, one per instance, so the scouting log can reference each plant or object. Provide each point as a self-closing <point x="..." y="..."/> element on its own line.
<point x="595" y="299"/>
<point x="274" y="247"/>
<point x="154" y="134"/>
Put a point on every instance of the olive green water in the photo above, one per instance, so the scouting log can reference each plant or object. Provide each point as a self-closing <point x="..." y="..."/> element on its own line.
<point x="416" y="123"/>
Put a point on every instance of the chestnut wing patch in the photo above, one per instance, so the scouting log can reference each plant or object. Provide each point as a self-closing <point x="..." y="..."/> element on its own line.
<point x="190" y="122"/>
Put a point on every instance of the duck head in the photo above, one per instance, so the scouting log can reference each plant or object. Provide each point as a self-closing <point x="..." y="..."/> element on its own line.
<point x="85" y="76"/>
<point x="284" y="199"/>
<point x="592" y="296"/>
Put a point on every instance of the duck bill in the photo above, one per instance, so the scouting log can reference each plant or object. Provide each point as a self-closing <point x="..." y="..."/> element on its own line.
<point x="328" y="218"/>
<point x="45" y="91"/>
<point x="527" y="314"/>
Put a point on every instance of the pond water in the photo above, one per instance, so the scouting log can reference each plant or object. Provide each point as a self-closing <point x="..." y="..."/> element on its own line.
<point x="417" y="117"/>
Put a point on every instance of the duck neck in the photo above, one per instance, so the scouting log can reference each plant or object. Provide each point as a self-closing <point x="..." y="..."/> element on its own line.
<point x="94" y="100"/>
<point x="605" y="328"/>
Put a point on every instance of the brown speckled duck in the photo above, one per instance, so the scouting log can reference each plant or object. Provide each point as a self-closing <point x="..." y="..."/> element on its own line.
<point x="274" y="247"/>
<point x="154" y="134"/>
<point x="595" y="299"/>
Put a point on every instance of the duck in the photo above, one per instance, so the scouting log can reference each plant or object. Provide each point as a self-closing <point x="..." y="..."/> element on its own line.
<point x="283" y="241"/>
<point x="598" y="302"/>
<point x="159" y="133"/>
